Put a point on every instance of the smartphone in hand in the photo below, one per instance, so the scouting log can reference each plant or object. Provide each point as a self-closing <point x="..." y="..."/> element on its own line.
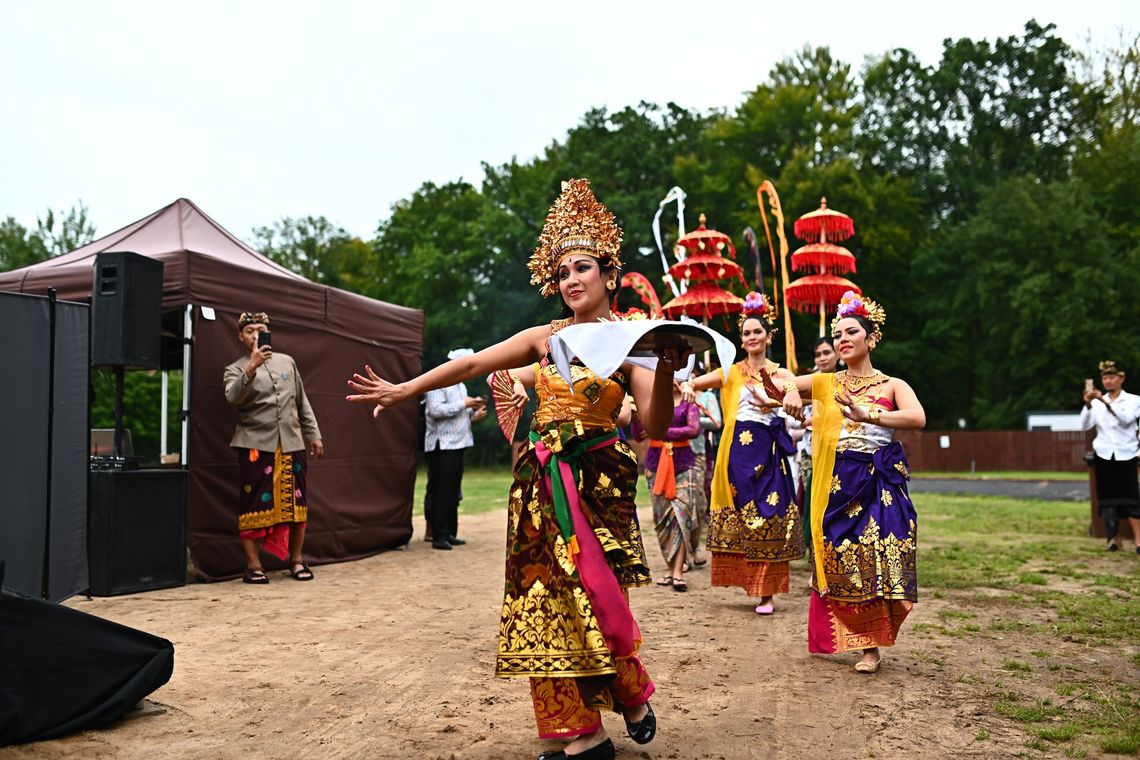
<point x="1089" y="387"/>
<point x="264" y="339"/>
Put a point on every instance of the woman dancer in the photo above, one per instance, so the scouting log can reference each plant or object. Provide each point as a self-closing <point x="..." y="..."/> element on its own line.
<point x="864" y="539"/>
<point x="677" y="489"/>
<point x="571" y="551"/>
<point x="754" y="529"/>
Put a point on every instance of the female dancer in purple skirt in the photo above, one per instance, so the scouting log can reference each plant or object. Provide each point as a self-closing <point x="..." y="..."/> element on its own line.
<point x="865" y="539"/>
<point x="754" y="527"/>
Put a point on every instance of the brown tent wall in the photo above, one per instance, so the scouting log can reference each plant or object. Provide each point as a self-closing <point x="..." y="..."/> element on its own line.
<point x="361" y="491"/>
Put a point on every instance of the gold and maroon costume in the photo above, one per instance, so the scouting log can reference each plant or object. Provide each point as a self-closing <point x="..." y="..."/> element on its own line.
<point x="574" y="547"/>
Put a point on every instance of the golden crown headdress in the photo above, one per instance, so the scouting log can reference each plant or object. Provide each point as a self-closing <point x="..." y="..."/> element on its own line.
<point x="1109" y="367"/>
<point x="854" y="305"/>
<point x="576" y="223"/>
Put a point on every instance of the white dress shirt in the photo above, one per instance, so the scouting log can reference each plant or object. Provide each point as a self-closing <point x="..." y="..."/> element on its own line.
<point x="1116" y="436"/>
<point x="448" y="419"/>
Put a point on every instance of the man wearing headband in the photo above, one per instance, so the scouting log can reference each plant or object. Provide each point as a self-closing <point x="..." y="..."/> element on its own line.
<point x="449" y="413"/>
<point x="275" y="424"/>
<point x="1114" y="414"/>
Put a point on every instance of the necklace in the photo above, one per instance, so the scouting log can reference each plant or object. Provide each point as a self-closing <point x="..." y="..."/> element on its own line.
<point x="854" y="384"/>
<point x="752" y="374"/>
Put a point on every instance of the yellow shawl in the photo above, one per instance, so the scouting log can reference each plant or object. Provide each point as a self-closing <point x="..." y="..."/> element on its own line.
<point x="721" y="496"/>
<point x="826" y="422"/>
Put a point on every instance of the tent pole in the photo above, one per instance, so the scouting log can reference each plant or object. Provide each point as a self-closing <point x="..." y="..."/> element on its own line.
<point x="164" y="417"/>
<point x="187" y="338"/>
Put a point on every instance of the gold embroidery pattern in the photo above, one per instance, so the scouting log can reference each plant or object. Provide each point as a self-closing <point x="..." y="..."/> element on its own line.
<point x="902" y="468"/>
<point x="835" y="484"/>
<point x="773" y="499"/>
<point x="888" y="500"/>
<point x="875" y="566"/>
<point x="757" y="538"/>
<point x="853" y="509"/>
<point x="745" y="437"/>
<point x="541" y="633"/>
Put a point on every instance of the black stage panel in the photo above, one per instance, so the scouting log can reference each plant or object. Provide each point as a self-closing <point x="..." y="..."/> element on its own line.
<point x="43" y="456"/>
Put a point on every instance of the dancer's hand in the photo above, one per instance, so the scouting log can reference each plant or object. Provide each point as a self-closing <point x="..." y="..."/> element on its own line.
<point x="793" y="402"/>
<point x="673" y="357"/>
<point x="851" y="410"/>
<point x="688" y="393"/>
<point x="519" y="397"/>
<point x="373" y="389"/>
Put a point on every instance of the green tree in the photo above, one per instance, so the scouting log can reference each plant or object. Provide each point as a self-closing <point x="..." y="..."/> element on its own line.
<point x="18" y="247"/>
<point x="66" y="230"/>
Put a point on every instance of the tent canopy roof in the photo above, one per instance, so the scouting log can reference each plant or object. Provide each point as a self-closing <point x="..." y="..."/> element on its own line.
<point x="206" y="265"/>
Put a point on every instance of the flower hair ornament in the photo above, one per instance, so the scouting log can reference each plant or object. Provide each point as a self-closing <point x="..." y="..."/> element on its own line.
<point x="576" y="223"/>
<point x="854" y="305"/>
<point x="757" y="306"/>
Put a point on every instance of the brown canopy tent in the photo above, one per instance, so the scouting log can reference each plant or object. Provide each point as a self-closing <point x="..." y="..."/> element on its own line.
<point x="361" y="492"/>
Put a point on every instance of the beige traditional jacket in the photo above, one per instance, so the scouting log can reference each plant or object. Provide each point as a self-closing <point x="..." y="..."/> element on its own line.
<point x="271" y="407"/>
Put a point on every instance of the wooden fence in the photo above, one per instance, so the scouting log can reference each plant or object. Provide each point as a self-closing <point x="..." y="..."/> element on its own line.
<point x="989" y="450"/>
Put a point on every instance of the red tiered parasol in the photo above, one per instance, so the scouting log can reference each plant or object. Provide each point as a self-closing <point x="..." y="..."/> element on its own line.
<point x="824" y="225"/>
<point x="817" y="292"/>
<point x="706" y="267"/>
<point x="704" y="240"/>
<point x="703" y="300"/>
<point x="823" y="257"/>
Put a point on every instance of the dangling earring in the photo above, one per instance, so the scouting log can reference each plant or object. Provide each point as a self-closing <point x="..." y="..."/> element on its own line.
<point x="611" y="285"/>
<point x="871" y="345"/>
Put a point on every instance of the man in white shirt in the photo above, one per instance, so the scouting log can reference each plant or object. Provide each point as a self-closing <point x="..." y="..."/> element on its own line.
<point x="449" y="413"/>
<point x="1114" y="414"/>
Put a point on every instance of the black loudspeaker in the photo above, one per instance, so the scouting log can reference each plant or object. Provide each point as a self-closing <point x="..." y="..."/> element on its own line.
<point x="136" y="530"/>
<point x="126" y="311"/>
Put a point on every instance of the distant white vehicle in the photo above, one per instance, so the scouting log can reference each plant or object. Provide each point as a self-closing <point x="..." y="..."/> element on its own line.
<point x="1055" y="421"/>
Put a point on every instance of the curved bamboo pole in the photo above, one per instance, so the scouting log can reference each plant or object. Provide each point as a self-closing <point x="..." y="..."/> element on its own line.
<point x="766" y="187"/>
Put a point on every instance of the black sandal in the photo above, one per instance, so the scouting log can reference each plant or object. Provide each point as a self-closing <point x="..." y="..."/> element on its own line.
<point x="666" y="581"/>
<point x="302" y="573"/>
<point x="256" y="577"/>
<point x="644" y="730"/>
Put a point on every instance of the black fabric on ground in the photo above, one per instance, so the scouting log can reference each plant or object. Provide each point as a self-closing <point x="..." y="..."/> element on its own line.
<point x="62" y="670"/>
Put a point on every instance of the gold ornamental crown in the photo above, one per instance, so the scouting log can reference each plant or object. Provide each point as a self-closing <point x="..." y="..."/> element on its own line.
<point x="853" y="304"/>
<point x="576" y="223"/>
<point x="1109" y="367"/>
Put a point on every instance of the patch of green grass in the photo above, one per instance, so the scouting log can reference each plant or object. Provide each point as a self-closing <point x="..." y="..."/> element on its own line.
<point x="1041" y="653"/>
<point x="1076" y="752"/>
<point x="1033" y="579"/>
<point x="1017" y="665"/>
<point x="982" y="735"/>
<point x="484" y="490"/>
<point x="1014" y="710"/>
<point x="1062" y="733"/>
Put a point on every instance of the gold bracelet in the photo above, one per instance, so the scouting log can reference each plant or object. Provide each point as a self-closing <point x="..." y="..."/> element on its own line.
<point x="790" y="387"/>
<point x="874" y="415"/>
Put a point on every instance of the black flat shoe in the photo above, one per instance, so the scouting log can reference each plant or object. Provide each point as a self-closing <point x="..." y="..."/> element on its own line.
<point x="441" y="544"/>
<point x="455" y="541"/>
<point x="643" y="732"/>
<point x="603" y="751"/>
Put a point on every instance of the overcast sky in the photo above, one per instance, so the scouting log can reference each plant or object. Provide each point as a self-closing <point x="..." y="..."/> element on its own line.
<point x="259" y="110"/>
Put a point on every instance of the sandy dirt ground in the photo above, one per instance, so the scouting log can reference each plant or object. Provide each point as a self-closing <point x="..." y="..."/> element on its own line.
<point x="391" y="657"/>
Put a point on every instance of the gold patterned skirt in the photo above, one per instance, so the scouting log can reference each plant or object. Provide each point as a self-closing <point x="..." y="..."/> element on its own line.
<point x="753" y="539"/>
<point x="869" y="554"/>
<point x="550" y="630"/>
